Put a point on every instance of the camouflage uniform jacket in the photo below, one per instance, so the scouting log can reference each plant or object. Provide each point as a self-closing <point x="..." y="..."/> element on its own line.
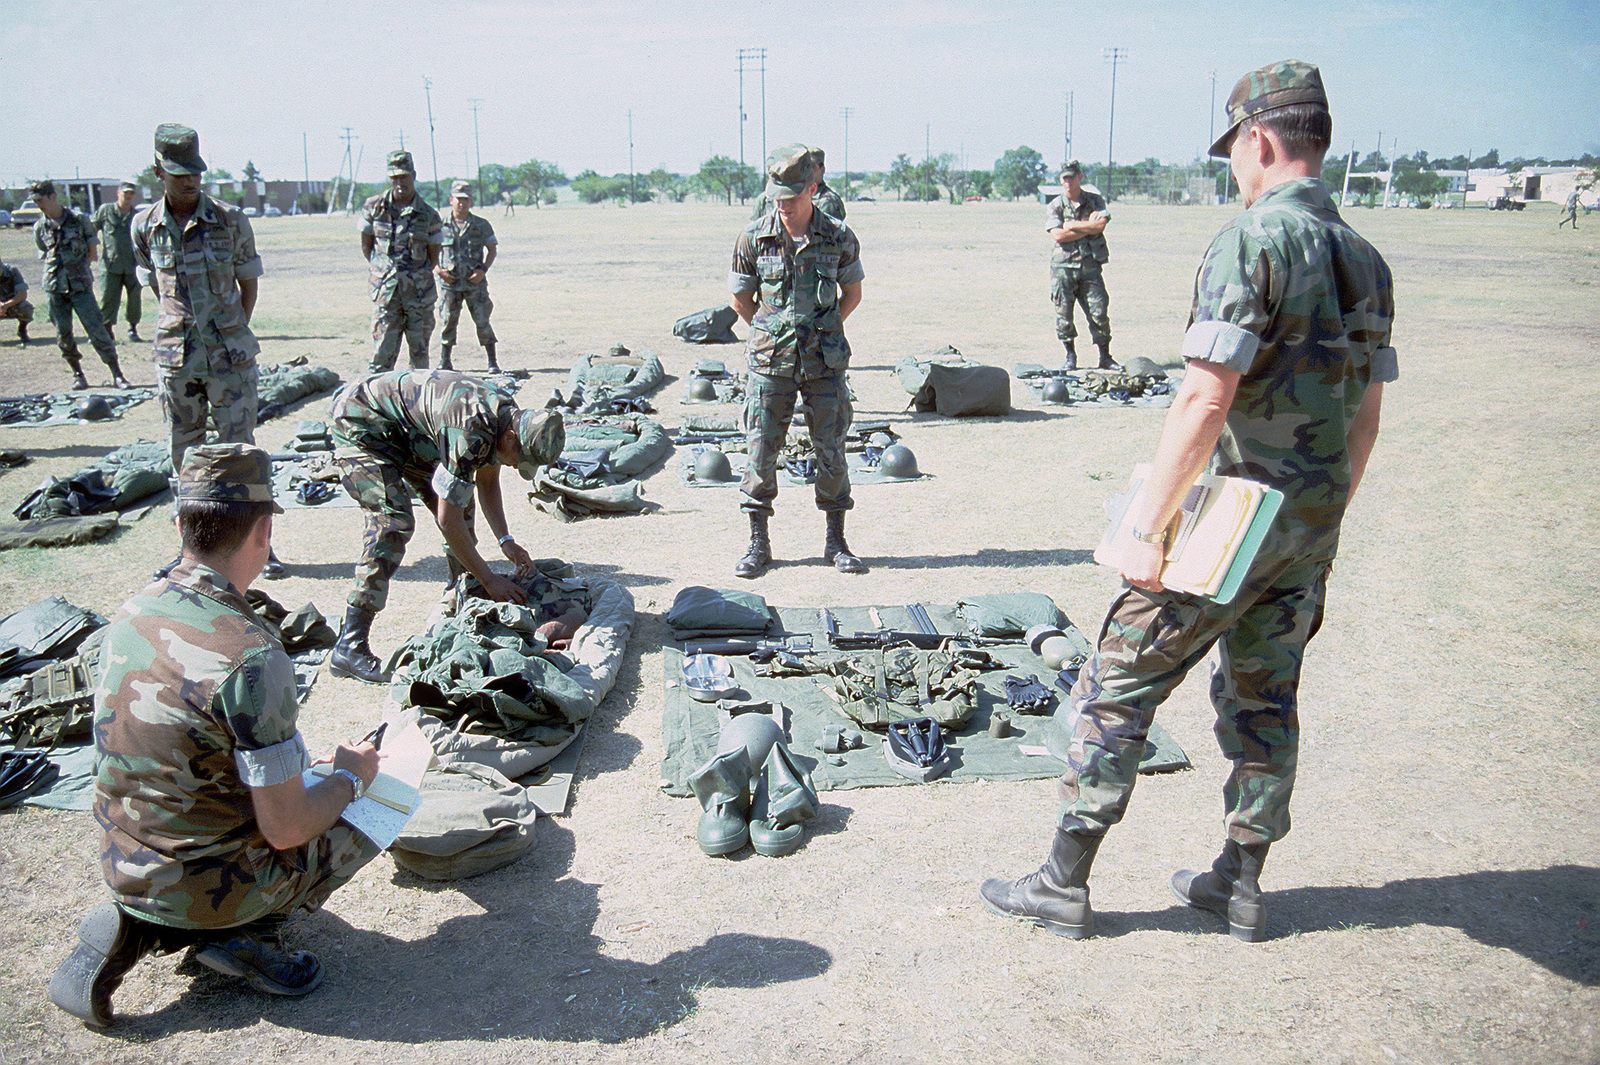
<point x="423" y="418"/>
<point x="1296" y="301"/>
<point x="824" y="199"/>
<point x="796" y="331"/>
<point x="116" y="240"/>
<point x="196" y="270"/>
<point x="1087" y="249"/>
<point x="400" y="236"/>
<point x="196" y="705"/>
<point x="12" y="282"/>
<point x="64" y="244"/>
<point x="465" y="246"/>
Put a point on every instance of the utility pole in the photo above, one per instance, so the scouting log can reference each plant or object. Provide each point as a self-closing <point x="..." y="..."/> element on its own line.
<point x="1066" y="151"/>
<point x="305" y="155"/>
<point x="927" y="160"/>
<point x="757" y="56"/>
<point x="1344" y="193"/>
<point x="633" y="188"/>
<point x="427" y="88"/>
<point x="333" y="194"/>
<point x="474" y="102"/>
<point x="845" y="111"/>
<point x="1213" y="139"/>
<point x="1112" y="56"/>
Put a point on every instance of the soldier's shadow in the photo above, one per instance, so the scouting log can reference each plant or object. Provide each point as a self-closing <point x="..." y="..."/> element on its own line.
<point x="528" y="966"/>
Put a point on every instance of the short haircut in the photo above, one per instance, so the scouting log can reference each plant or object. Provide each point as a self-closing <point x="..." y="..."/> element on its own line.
<point x="210" y="527"/>
<point x="1306" y="130"/>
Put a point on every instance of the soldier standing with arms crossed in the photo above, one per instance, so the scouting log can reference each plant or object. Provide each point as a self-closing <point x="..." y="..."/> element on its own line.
<point x="1076" y="221"/>
<point x="468" y="248"/>
<point x="1287" y="353"/>
<point x="66" y="244"/>
<point x="400" y="240"/>
<point x="796" y="276"/>
<point x="117" y="268"/>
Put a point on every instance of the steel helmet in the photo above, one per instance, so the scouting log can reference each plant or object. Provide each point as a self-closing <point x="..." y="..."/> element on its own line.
<point x="1055" y="391"/>
<point x="712" y="465"/>
<point x="898" y="461"/>
<point x="702" y="388"/>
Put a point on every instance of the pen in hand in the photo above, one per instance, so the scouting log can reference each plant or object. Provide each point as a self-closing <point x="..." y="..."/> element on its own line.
<point x="375" y="737"/>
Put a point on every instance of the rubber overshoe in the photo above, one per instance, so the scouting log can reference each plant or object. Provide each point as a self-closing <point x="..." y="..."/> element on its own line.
<point x="723" y="787"/>
<point x="784" y="800"/>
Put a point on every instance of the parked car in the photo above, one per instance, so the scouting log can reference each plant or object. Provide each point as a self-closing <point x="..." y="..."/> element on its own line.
<point x="1506" y="203"/>
<point x="26" y="215"/>
<point x="270" y="211"/>
<point x="251" y="211"/>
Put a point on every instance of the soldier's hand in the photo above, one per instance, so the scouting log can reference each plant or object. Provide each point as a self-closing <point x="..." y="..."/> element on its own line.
<point x="360" y="757"/>
<point x="504" y="590"/>
<point x="1141" y="565"/>
<point x="476" y="277"/>
<point x="449" y="277"/>
<point x="520" y="558"/>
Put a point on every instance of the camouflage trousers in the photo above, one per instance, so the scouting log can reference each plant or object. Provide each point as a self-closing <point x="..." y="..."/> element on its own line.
<point x="478" y="304"/>
<point x="259" y="883"/>
<point x="1147" y="645"/>
<point x="768" y="410"/>
<point x="62" y="306"/>
<point x="401" y="315"/>
<point x="1083" y="284"/>
<point x="382" y="485"/>
<point x="22" y="313"/>
<point x="112" y="285"/>
<point x="194" y="394"/>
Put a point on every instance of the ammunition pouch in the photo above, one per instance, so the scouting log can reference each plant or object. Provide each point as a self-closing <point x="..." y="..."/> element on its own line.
<point x="55" y="705"/>
<point x="876" y="688"/>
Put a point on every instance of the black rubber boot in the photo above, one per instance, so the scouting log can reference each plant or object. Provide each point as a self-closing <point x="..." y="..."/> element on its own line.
<point x="1231" y="890"/>
<point x="1106" y="361"/>
<point x="444" y="357"/>
<point x="758" y="556"/>
<point x="1071" y="361"/>
<point x="494" y="367"/>
<point x="351" y="657"/>
<point x="1057" y="896"/>
<point x="109" y="944"/>
<point x="835" y="551"/>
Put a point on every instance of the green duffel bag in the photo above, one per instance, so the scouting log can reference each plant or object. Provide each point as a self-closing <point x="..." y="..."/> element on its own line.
<point x="876" y="688"/>
<point x="469" y="820"/>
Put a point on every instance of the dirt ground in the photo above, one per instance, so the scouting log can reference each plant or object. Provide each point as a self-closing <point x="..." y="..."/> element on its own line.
<point x="1438" y="900"/>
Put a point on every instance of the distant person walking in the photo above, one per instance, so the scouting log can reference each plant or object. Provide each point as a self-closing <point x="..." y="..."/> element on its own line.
<point x="467" y="250"/>
<point x="510" y="204"/>
<point x="118" y="271"/>
<point x="1571" y="210"/>
<point x="400" y="239"/>
<point x="66" y="244"/>
<point x="1076" y="220"/>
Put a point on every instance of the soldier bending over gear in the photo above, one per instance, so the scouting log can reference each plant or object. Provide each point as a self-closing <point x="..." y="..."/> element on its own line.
<point x="445" y="435"/>
<point x="1287" y="353"/>
<point x="211" y="839"/>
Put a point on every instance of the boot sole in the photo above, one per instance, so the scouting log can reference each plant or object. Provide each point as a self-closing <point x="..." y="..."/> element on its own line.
<point x="1060" y="928"/>
<point x="1254" y="932"/>
<point x="213" y="957"/>
<point x="72" y="986"/>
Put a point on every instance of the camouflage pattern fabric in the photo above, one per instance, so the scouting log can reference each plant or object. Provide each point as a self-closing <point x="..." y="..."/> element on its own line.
<point x="64" y="244"/>
<point x="1087" y="249"/>
<point x="12" y="284"/>
<point x="401" y="276"/>
<point x="464" y="245"/>
<point x="190" y="678"/>
<point x="824" y="199"/>
<point x="769" y="408"/>
<point x="62" y="306"/>
<point x="476" y="297"/>
<point x="116" y="238"/>
<point x="430" y="429"/>
<point x="192" y="396"/>
<point x="1084" y="285"/>
<point x="1301" y="306"/>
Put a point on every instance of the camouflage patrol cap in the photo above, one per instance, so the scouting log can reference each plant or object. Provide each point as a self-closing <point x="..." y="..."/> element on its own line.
<point x="1071" y="168"/>
<point x="541" y="435"/>
<point x="819" y="159"/>
<point x="461" y="188"/>
<point x="1275" y="85"/>
<point x="400" y="163"/>
<point x="42" y="188"/>
<point x="227" y="473"/>
<point x="178" y="150"/>
<point x="127" y="185"/>
<point x="789" y="171"/>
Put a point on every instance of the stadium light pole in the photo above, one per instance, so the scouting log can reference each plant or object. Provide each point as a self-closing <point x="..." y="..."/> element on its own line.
<point x="1112" y="56"/>
<point x="757" y="56"/>
<point x="845" y="111"/>
<point x="477" y="145"/>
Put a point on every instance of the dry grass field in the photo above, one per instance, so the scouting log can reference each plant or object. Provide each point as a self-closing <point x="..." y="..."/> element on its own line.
<point x="1437" y="901"/>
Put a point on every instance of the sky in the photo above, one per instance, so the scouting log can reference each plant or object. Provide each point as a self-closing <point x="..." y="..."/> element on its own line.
<point x="277" y="82"/>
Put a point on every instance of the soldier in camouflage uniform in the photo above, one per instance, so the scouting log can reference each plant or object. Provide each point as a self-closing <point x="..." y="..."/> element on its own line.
<point x="211" y="838"/>
<point x="1287" y="353"/>
<point x="826" y="200"/>
<point x="14" y="299"/>
<point x="796" y="276"/>
<point x="1076" y="221"/>
<point x="400" y="240"/>
<point x="444" y="436"/>
<point x="66" y="244"/>
<point x="468" y="248"/>
<point x="117" y="267"/>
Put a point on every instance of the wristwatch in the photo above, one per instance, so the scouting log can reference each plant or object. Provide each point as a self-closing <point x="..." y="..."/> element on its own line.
<point x="357" y="788"/>
<point x="1157" y="537"/>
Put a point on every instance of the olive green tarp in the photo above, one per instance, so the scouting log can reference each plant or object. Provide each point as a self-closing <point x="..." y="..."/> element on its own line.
<point x="690" y="728"/>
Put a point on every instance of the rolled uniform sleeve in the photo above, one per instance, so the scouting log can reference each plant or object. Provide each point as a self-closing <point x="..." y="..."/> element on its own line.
<point x="258" y="705"/>
<point x="742" y="275"/>
<point x="1230" y="303"/>
<point x="851" y="271"/>
<point x="464" y="454"/>
<point x="246" y="263"/>
<point x="139" y="231"/>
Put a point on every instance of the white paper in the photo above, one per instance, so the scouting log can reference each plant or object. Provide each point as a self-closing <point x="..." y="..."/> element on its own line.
<point x="382" y="813"/>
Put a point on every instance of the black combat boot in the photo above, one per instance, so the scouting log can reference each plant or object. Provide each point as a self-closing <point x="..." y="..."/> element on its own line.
<point x="109" y="944"/>
<point x="22" y="333"/>
<point x="1106" y="362"/>
<point x="80" y="383"/>
<point x="1232" y="889"/>
<point x="133" y="333"/>
<point x="444" y="357"/>
<point x="117" y="380"/>
<point x="1057" y="896"/>
<point x="758" y="556"/>
<point x="274" y="570"/>
<point x="351" y="657"/>
<point x="836" y="551"/>
<point x="1071" y="361"/>
<point x="494" y="367"/>
<point x="255" y="953"/>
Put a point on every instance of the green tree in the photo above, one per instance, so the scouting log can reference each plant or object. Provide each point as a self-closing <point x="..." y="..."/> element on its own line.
<point x="980" y="183"/>
<point x="902" y="174"/>
<point x="1019" y="172"/>
<point x="1489" y="161"/>
<point x="535" y="176"/>
<point x="673" y="188"/>
<point x="722" y="176"/>
<point x="250" y="171"/>
<point x="1424" y="185"/>
<point x="593" y="188"/>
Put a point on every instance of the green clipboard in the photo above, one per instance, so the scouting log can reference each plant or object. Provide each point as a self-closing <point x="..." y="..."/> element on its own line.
<point x="1266" y="511"/>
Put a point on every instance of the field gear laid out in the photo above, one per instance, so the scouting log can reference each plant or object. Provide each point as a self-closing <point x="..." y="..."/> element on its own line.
<point x="712" y="382"/>
<point x="753" y="789"/>
<point x="786" y="656"/>
<point x="878" y="687"/>
<point x="21" y="774"/>
<point x="714" y="325"/>
<point x="898" y="463"/>
<point x="964" y="391"/>
<point x="600" y="465"/>
<point x="54" y="704"/>
<point x="69" y="408"/>
<point x="1026" y="695"/>
<point x="1139" y="383"/>
<point x="698" y="612"/>
<point x="912" y="370"/>
<point x="915" y="748"/>
<point x="1009" y="615"/>
<point x="708" y="678"/>
<point x="596" y="380"/>
<point x="119" y="480"/>
<point x="44" y="632"/>
<point x="281" y="385"/>
<point x="469" y="820"/>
